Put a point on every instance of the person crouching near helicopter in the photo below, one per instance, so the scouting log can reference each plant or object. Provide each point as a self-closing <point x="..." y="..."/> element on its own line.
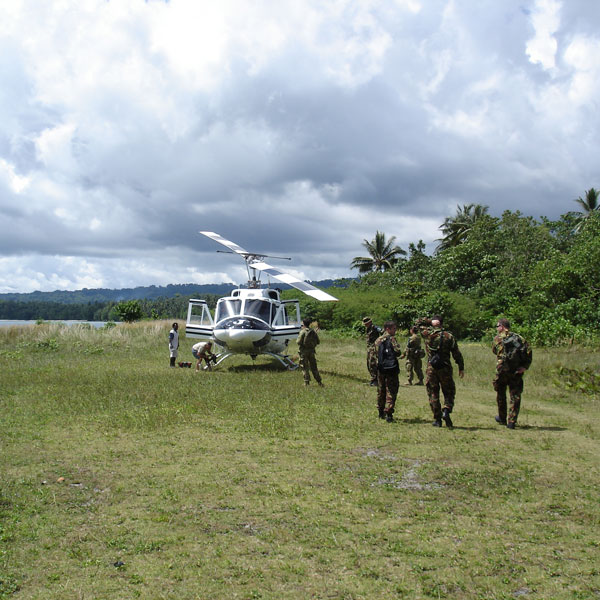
<point x="203" y="351"/>
<point x="308" y="340"/>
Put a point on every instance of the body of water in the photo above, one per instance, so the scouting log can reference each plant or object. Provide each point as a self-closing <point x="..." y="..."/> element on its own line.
<point x="8" y="323"/>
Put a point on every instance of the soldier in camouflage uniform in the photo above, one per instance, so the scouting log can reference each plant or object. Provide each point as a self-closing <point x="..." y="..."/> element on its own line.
<point x="372" y="333"/>
<point x="413" y="355"/>
<point x="308" y="340"/>
<point x="509" y="372"/>
<point x="439" y="345"/>
<point x="387" y="380"/>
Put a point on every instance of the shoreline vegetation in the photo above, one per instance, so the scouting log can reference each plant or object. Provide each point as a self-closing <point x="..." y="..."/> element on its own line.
<point x="124" y="478"/>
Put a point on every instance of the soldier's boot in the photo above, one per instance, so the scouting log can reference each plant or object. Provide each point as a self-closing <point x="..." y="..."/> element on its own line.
<point x="420" y="382"/>
<point x="446" y="417"/>
<point x="511" y="425"/>
<point x="437" y="423"/>
<point x="320" y="384"/>
<point x="389" y="417"/>
<point x="381" y="413"/>
<point x="307" y="383"/>
<point x="500" y="420"/>
<point x="172" y="361"/>
<point x="373" y="381"/>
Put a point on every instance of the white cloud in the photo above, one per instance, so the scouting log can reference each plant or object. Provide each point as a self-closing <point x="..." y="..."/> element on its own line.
<point x="545" y="19"/>
<point x="16" y="182"/>
<point x="583" y="56"/>
<point x="297" y="127"/>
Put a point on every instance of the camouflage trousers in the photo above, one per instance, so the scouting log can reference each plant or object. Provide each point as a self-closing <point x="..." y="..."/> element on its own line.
<point x="387" y="391"/>
<point x="372" y="362"/>
<point x="413" y="366"/>
<point x="436" y="379"/>
<point x="514" y="383"/>
<point x="308" y="364"/>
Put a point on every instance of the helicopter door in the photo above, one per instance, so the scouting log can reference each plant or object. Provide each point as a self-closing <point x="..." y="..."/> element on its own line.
<point x="287" y="317"/>
<point x="199" y="322"/>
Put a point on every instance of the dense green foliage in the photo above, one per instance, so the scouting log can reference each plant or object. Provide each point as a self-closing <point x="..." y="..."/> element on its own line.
<point x="542" y="275"/>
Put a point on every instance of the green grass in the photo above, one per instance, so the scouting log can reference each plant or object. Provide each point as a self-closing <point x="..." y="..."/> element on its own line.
<point x="241" y="483"/>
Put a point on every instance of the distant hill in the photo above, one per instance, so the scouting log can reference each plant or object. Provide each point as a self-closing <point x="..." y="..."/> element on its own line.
<point x="151" y="292"/>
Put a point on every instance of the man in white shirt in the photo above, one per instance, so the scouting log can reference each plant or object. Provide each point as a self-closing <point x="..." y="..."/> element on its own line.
<point x="173" y="343"/>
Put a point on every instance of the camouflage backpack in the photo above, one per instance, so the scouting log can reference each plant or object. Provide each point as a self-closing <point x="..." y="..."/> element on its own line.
<point x="386" y="358"/>
<point x="516" y="352"/>
<point x="436" y="360"/>
<point x="311" y="341"/>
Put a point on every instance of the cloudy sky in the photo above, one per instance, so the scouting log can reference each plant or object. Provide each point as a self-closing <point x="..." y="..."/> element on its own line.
<point x="292" y="127"/>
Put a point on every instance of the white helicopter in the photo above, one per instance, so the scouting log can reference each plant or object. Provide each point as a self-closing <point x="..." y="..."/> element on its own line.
<point x="252" y="320"/>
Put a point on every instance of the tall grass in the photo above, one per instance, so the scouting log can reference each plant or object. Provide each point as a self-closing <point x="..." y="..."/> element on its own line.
<point x="123" y="478"/>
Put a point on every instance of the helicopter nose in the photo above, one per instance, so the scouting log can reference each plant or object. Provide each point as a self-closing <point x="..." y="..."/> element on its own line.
<point x="242" y="334"/>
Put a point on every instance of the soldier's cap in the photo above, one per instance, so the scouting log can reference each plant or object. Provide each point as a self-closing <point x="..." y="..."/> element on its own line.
<point x="367" y="320"/>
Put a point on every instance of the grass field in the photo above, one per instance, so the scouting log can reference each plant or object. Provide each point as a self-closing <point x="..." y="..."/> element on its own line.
<point x="122" y="478"/>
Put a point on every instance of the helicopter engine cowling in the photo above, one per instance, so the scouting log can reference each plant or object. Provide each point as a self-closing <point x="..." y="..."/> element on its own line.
<point x="242" y="334"/>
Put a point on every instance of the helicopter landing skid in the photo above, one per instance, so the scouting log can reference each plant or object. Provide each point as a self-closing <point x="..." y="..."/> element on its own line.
<point x="284" y="359"/>
<point x="220" y="359"/>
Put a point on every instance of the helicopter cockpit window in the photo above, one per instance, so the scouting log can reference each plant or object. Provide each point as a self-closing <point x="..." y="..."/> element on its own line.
<point x="258" y="308"/>
<point x="228" y="308"/>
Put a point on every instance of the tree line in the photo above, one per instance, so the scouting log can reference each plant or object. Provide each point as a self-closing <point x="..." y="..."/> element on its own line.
<point x="541" y="274"/>
<point x="157" y="308"/>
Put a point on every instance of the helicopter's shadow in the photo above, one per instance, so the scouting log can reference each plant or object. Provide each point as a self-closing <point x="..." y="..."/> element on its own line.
<point x="260" y="367"/>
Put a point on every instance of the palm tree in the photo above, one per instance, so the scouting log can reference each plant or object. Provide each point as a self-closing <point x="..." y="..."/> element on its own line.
<point x="456" y="229"/>
<point x="589" y="205"/>
<point x="382" y="254"/>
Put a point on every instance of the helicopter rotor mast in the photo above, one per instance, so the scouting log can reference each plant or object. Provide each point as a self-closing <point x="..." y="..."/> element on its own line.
<point x="255" y="263"/>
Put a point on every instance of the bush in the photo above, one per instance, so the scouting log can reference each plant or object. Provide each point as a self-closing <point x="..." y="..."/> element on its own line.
<point x="129" y="311"/>
<point x="585" y="381"/>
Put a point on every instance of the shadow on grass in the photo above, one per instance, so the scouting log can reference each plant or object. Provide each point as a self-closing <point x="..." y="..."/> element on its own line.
<point x="274" y="367"/>
<point x="485" y="428"/>
<point x="535" y="427"/>
<point x="491" y="428"/>
<point x="363" y="380"/>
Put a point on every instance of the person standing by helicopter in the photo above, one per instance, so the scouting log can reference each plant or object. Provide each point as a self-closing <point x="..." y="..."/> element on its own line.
<point x="308" y="340"/>
<point x="173" y="344"/>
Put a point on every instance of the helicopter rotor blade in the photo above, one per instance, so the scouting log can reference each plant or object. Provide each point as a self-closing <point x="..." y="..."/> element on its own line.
<point x="231" y="245"/>
<point x="307" y="288"/>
